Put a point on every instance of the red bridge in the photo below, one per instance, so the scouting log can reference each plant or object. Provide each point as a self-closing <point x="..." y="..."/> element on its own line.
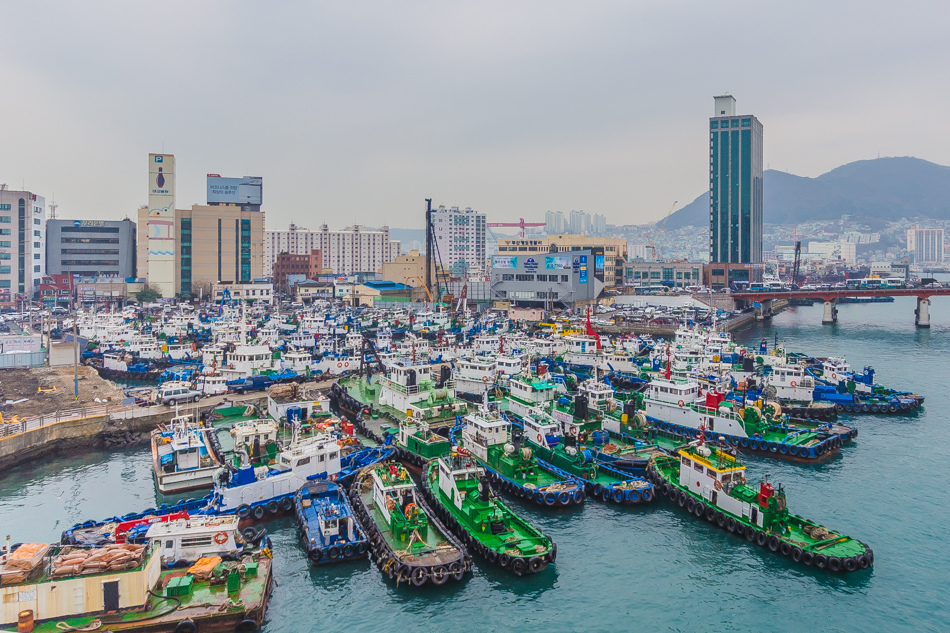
<point x="830" y="297"/>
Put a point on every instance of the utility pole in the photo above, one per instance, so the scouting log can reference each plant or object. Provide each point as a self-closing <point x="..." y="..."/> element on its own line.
<point x="75" y="357"/>
<point x="429" y="237"/>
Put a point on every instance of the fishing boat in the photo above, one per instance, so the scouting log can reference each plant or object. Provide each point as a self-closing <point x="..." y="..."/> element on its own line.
<point x="601" y="481"/>
<point x="124" y="588"/>
<point x="407" y="541"/>
<point x="328" y="528"/>
<point x="182" y="457"/>
<point x="457" y="488"/>
<point x="516" y="471"/>
<point x="710" y="483"/>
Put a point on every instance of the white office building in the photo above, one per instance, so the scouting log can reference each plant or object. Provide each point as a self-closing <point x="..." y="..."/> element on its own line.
<point x="925" y="245"/>
<point x="460" y="239"/>
<point x="22" y="244"/>
<point x="355" y="249"/>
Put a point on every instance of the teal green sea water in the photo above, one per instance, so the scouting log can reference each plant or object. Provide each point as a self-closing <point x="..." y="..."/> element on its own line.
<point x="654" y="568"/>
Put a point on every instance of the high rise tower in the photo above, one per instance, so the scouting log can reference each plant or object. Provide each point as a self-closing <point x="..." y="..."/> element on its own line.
<point x="735" y="185"/>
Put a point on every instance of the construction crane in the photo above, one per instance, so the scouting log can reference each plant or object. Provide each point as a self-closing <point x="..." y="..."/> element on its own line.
<point x="796" y="266"/>
<point x="424" y="286"/>
<point x="520" y="223"/>
<point x="659" y="229"/>
<point x="462" y="304"/>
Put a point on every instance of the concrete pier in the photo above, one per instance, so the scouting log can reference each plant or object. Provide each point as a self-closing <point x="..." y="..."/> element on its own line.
<point x="830" y="317"/>
<point x="922" y="313"/>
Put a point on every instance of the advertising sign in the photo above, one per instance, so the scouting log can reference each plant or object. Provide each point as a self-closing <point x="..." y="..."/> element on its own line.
<point x="599" y="263"/>
<point x="560" y="262"/>
<point x="239" y="191"/>
<point x="530" y="265"/>
<point x="161" y="223"/>
<point x="504" y="262"/>
<point x="583" y="269"/>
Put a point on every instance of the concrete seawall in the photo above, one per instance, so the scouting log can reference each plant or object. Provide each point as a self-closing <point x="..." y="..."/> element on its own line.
<point x="90" y="430"/>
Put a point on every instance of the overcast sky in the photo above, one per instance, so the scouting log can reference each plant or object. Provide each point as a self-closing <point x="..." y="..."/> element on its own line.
<point x="357" y="111"/>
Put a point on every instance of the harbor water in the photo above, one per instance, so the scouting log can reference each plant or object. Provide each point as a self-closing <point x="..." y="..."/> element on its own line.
<point x="643" y="568"/>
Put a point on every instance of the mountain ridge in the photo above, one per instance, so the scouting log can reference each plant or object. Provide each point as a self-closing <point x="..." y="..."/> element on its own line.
<point x="878" y="188"/>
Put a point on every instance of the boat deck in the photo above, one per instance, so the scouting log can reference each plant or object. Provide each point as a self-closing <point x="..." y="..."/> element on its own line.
<point x="211" y="606"/>
<point x="438" y="549"/>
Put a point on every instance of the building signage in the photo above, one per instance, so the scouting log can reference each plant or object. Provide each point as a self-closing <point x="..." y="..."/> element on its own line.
<point x="561" y="262"/>
<point x="245" y="190"/>
<point x="583" y="269"/>
<point x="530" y="265"/>
<point x="561" y="416"/>
<point x="89" y="223"/>
<point x="504" y="262"/>
<point x="599" y="263"/>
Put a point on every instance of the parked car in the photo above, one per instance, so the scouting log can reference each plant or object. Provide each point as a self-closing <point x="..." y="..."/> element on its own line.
<point x="251" y="383"/>
<point x="177" y="395"/>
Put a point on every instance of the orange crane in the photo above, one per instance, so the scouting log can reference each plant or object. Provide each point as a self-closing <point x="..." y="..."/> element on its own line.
<point x="520" y="223"/>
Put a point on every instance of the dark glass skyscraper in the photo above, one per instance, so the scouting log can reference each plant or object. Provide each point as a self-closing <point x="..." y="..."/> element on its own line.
<point x="735" y="185"/>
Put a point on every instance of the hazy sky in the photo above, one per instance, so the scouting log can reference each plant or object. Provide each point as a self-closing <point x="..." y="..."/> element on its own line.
<point x="357" y="111"/>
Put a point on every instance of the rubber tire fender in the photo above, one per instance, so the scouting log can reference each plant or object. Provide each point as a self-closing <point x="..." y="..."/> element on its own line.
<point x="773" y="543"/>
<point x="834" y="563"/>
<point x="258" y="512"/>
<point x="618" y="495"/>
<point x="247" y="626"/>
<point x="504" y="559"/>
<point x="518" y="566"/>
<point x="821" y="561"/>
<point x="315" y="555"/>
<point x="535" y="564"/>
<point x="550" y="499"/>
<point x="273" y="507"/>
<point x="186" y="626"/>
<point x="286" y="503"/>
<point x="850" y="564"/>
<point x="244" y="511"/>
<point x="334" y="552"/>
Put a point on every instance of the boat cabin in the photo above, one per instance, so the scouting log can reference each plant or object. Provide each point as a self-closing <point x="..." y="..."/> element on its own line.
<point x="474" y="368"/>
<point x="482" y="430"/>
<point x="394" y="495"/>
<point x="181" y="446"/>
<point x="681" y="393"/>
<point x="454" y="472"/>
<point x="187" y="540"/>
<point x="527" y="392"/>
<point x="598" y="393"/>
<point x="327" y="514"/>
<point x="211" y="385"/>
<point x="257" y="437"/>
<point x="416" y="436"/>
<point x="543" y="432"/>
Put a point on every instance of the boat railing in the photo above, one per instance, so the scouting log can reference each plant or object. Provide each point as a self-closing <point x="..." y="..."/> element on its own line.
<point x="115" y="411"/>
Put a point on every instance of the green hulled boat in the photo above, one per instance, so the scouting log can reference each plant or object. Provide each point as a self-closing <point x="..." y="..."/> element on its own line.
<point x="415" y="443"/>
<point x="458" y="489"/>
<point x="710" y="483"/>
<point x="407" y="542"/>
<point x="543" y="434"/>
<point x="405" y="391"/>
<point x="513" y="470"/>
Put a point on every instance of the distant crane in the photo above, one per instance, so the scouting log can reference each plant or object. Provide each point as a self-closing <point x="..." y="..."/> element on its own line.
<point x="659" y="229"/>
<point x="797" y="265"/>
<point x="520" y="223"/>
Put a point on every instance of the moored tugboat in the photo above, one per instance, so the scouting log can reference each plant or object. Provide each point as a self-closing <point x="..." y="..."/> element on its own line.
<point x="457" y="488"/>
<point x="415" y="443"/>
<point x="329" y="530"/>
<point x="710" y="483"/>
<point x="516" y="470"/>
<point x="407" y="542"/>
<point x="600" y="479"/>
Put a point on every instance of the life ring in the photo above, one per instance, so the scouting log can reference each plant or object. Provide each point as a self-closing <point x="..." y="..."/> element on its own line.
<point x="221" y="538"/>
<point x="339" y="364"/>
<point x="540" y="439"/>
<point x="718" y="485"/>
<point x="794" y="384"/>
<point x="834" y="376"/>
<point x="680" y="403"/>
<point x="231" y="366"/>
<point x="484" y="378"/>
<point x="346" y="364"/>
<point x="333" y="477"/>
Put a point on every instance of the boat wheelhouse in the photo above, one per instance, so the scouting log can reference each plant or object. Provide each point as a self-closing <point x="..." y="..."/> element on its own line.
<point x="181" y="456"/>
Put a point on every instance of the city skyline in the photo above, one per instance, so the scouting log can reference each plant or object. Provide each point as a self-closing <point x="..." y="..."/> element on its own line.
<point x="524" y="110"/>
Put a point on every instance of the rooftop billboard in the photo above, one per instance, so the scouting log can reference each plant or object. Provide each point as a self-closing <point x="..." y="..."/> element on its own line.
<point x="239" y="191"/>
